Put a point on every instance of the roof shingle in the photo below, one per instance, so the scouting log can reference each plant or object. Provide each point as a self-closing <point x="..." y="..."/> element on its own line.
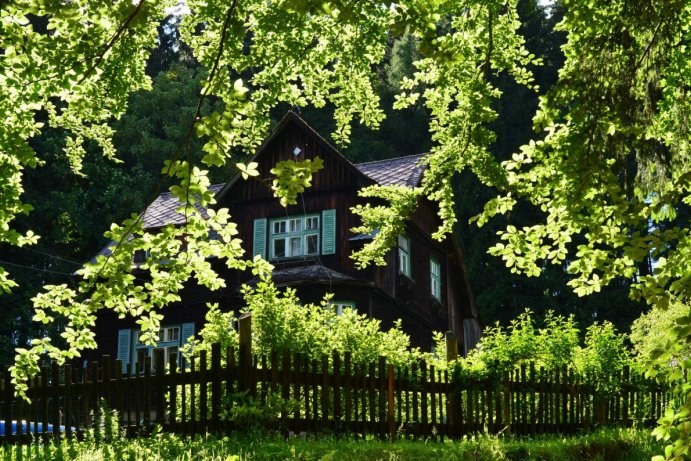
<point x="401" y="171"/>
<point x="162" y="212"/>
<point x="314" y="273"/>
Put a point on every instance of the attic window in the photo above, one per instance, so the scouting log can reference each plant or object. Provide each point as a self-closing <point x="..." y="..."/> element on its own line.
<point x="294" y="237"/>
<point x="435" y="278"/>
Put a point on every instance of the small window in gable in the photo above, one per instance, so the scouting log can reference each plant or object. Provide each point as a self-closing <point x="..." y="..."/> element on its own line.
<point x="140" y="256"/>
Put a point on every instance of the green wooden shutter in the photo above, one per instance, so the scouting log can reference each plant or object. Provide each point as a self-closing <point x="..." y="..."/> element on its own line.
<point x="259" y="242"/>
<point x="124" y="345"/>
<point x="186" y="332"/>
<point x="328" y="232"/>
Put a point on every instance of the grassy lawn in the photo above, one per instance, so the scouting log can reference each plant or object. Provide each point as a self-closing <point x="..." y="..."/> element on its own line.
<point x="607" y="445"/>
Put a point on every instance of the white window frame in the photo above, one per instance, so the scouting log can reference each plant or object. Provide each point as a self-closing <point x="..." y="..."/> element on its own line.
<point x="404" y="255"/>
<point x="338" y="306"/>
<point x="291" y="229"/>
<point x="169" y="339"/>
<point x="435" y="278"/>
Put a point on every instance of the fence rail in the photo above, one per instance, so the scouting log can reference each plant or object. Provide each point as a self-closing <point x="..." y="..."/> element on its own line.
<point x="214" y="392"/>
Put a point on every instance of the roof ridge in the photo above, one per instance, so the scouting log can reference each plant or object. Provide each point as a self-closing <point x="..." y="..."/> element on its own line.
<point x="167" y="192"/>
<point x="390" y="159"/>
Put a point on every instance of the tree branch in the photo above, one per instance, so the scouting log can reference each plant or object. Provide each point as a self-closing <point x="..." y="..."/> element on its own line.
<point x="123" y="27"/>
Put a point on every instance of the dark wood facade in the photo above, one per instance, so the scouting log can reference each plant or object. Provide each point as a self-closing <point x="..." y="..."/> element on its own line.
<point x="380" y="292"/>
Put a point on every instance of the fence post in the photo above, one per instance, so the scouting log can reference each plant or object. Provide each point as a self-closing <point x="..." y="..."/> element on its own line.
<point x="390" y="408"/>
<point x="452" y="398"/>
<point x="245" y="332"/>
<point x="159" y="363"/>
<point x="506" y="414"/>
<point x="215" y="386"/>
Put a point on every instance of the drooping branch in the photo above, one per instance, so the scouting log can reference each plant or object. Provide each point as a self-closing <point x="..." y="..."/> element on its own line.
<point x="107" y="47"/>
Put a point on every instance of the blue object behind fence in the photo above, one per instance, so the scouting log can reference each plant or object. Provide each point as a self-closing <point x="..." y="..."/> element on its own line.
<point x="29" y="428"/>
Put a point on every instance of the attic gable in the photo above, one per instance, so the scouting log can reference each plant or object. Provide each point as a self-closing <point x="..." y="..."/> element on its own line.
<point x="294" y="139"/>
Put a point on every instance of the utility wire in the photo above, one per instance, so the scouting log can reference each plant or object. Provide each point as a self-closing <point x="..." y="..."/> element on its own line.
<point x="36" y="269"/>
<point x="51" y="256"/>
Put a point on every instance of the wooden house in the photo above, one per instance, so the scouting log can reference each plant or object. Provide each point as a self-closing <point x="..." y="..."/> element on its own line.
<point x="423" y="284"/>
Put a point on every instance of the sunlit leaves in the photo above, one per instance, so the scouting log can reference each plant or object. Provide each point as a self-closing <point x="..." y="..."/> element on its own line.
<point x="384" y="222"/>
<point x="248" y="170"/>
<point x="293" y="177"/>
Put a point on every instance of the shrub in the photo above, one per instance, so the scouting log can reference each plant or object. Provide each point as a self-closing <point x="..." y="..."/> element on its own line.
<point x="281" y="322"/>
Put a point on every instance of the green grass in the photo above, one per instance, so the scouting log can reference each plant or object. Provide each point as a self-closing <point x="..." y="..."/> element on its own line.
<point x="606" y="445"/>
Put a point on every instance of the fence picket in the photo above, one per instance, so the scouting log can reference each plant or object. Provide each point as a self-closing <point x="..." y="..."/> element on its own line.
<point x="339" y="395"/>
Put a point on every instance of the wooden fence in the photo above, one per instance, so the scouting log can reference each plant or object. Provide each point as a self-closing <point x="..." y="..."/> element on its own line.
<point x="332" y="395"/>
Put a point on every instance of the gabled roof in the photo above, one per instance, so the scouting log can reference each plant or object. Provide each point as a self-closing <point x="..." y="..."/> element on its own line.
<point x="402" y="171"/>
<point x="162" y="210"/>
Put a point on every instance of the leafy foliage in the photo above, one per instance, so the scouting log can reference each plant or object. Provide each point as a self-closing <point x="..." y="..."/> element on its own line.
<point x="280" y="322"/>
<point x="553" y="346"/>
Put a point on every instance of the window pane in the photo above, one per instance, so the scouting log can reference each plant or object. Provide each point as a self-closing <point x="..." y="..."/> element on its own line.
<point x="311" y="244"/>
<point x="279" y="248"/>
<point x="172" y="355"/>
<point x="403" y="243"/>
<point x="403" y="262"/>
<point x="295" y="246"/>
<point x="312" y="223"/>
<point x="279" y="227"/>
<point x="142" y="354"/>
<point x="173" y="334"/>
<point x="295" y="225"/>
<point x="434" y="267"/>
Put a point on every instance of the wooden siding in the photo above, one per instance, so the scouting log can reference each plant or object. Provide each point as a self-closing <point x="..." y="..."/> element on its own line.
<point x="336" y="174"/>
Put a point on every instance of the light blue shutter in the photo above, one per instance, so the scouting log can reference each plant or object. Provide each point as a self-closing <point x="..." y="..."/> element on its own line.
<point x="328" y="232"/>
<point x="259" y="242"/>
<point x="187" y="331"/>
<point x="124" y="344"/>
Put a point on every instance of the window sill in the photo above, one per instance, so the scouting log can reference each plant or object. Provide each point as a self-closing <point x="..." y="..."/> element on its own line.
<point x="294" y="259"/>
<point x="405" y="279"/>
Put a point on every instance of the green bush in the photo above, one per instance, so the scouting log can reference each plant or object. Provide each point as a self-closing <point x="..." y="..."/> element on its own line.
<point x="281" y="322"/>
<point x="553" y="346"/>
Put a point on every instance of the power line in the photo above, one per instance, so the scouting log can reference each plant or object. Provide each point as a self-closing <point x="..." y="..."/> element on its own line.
<point x="51" y="256"/>
<point x="36" y="269"/>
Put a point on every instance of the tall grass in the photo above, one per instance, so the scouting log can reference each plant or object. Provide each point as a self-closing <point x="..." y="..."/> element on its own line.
<point x="606" y="445"/>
